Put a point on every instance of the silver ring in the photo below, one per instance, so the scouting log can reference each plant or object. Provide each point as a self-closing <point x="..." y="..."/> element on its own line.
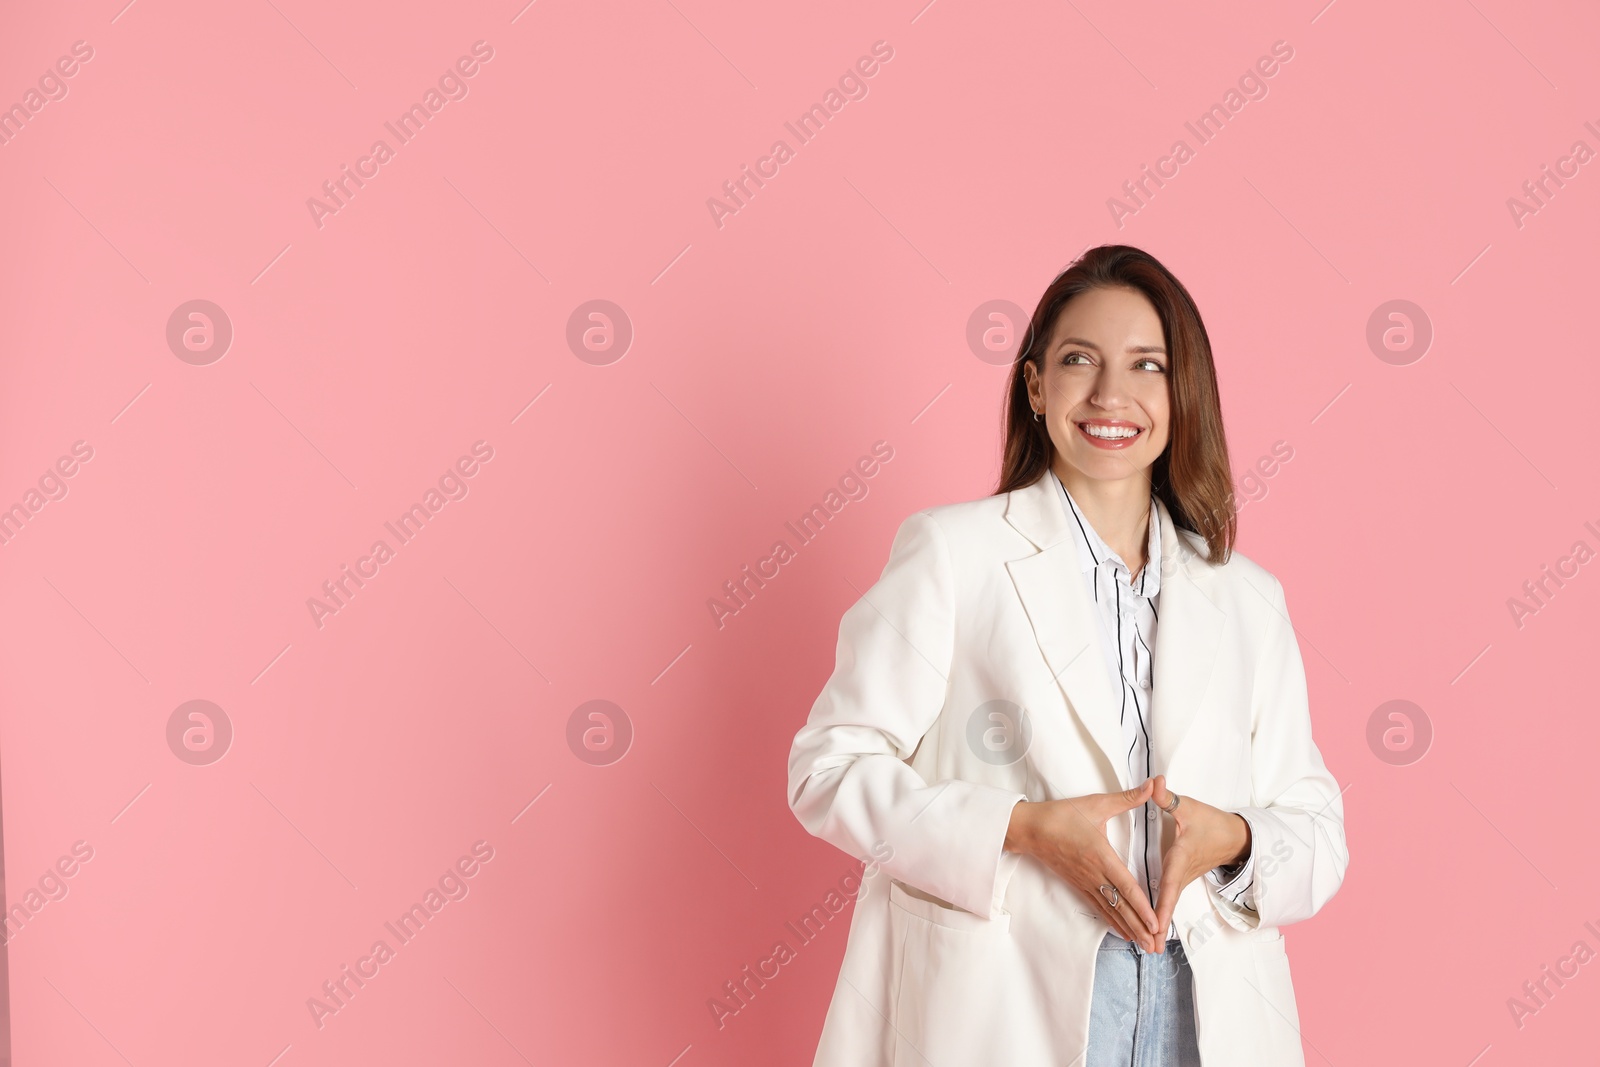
<point x="1175" y="799"/>
<point x="1115" y="897"/>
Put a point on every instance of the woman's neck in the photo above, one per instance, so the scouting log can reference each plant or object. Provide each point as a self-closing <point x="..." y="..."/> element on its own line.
<point x="1118" y="510"/>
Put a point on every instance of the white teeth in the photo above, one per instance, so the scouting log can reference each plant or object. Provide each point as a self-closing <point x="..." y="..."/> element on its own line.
<point x="1110" y="432"/>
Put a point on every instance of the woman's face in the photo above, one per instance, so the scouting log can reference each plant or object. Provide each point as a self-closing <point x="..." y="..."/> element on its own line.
<point x="1104" y="388"/>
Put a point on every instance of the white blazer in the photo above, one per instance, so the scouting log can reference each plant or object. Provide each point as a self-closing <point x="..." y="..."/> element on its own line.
<point x="961" y="954"/>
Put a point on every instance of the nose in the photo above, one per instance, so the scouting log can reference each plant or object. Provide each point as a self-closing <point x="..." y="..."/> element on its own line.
<point x="1110" y="391"/>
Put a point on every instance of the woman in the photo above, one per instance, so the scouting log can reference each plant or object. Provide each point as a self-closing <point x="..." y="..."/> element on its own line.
<point x="1084" y="840"/>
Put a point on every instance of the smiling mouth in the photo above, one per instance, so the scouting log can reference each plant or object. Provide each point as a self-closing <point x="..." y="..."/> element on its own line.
<point x="1110" y="433"/>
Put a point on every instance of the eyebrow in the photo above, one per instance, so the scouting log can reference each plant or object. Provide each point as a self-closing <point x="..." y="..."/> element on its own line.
<point x="1131" y="348"/>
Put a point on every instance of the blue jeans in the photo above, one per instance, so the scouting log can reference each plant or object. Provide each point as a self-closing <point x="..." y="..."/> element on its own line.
<point x="1142" y="1014"/>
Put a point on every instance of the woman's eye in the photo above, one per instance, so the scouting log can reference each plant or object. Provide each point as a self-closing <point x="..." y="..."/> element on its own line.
<point x="1153" y="365"/>
<point x="1070" y="356"/>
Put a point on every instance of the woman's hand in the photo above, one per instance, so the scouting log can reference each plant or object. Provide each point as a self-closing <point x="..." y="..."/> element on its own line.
<point x="1069" y="837"/>
<point x="1207" y="837"/>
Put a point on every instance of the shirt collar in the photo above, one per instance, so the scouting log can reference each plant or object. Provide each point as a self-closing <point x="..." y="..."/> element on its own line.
<point x="1093" y="551"/>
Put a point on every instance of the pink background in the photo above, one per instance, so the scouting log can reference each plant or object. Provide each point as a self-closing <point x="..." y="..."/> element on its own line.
<point x="768" y="355"/>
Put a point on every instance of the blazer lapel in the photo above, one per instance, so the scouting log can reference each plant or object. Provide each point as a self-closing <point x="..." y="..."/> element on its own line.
<point x="1050" y="586"/>
<point x="1188" y="633"/>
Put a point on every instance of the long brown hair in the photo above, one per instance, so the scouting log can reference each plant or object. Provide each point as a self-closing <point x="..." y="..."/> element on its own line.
<point x="1192" y="476"/>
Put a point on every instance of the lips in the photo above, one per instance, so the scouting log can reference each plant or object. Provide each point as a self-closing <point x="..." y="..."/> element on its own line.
<point x="1109" y="433"/>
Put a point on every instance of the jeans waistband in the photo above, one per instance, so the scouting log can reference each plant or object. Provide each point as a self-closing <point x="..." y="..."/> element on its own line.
<point x="1114" y="940"/>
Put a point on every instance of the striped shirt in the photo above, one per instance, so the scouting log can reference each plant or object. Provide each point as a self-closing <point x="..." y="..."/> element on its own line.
<point x="1128" y="609"/>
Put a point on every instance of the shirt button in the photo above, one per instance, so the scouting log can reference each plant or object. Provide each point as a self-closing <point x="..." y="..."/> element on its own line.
<point x="1152" y="816"/>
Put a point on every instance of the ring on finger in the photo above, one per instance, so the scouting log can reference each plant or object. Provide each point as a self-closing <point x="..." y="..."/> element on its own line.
<point x="1112" y="895"/>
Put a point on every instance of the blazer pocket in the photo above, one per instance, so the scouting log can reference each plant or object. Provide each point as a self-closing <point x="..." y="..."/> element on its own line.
<point x="961" y="994"/>
<point x="951" y="918"/>
<point x="1267" y="935"/>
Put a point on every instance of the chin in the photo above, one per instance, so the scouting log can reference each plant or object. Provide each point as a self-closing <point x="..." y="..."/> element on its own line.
<point x="1112" y="466"/>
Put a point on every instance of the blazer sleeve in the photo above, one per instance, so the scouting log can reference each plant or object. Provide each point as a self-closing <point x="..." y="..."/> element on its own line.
<point x="849" y="782"/>
<point x="1297" y="846"/>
